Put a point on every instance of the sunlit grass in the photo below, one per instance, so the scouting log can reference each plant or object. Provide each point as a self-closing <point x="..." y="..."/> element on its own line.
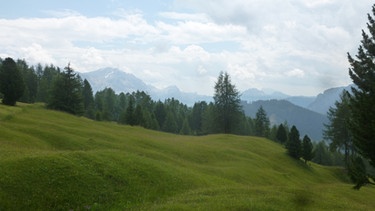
<point x="53" y="161"/>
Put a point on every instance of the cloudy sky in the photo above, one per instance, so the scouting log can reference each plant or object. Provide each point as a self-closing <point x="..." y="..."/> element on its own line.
<point x="295" y="46"/>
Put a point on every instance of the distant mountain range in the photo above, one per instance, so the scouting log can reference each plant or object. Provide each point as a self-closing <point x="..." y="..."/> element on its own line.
<point x="308" y="113"/>
<point x="121" y="81"/>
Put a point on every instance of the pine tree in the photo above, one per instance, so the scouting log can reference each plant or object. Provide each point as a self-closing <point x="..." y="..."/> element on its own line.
<point x="66" y="94"/>
<point x="307" y="149"/>
<point x="294" y="143"/>
<point x="227" y="103"/>
<point x="262" y="123"/>
<point x="88" y="100"/>
<point x="170" y="124"/>
<point x="138" y="115"/>
<point x="11" y="82"/>
<point x="281" y="135"/>
<point x="30" y="80"/>
<point x="185" y="129"/>
<point x="129" y="113"/>
<point x="362" y="103"/>
<point x="337" y="130"/>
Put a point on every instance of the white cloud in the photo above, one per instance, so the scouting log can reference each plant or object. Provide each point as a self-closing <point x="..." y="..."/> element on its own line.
<point x="200" y="17"/>
<point x="298" y="73"/>
<point x="181" y="48"/>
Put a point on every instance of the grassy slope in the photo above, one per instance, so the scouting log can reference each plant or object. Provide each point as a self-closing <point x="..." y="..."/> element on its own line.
<point x="53" y="161"/>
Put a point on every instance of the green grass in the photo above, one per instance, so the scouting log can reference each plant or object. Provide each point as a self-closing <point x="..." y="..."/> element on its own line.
<point x="53" y="161"/>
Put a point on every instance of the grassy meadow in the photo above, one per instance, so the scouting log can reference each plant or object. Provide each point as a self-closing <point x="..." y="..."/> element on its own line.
<point x="54" y="161"/>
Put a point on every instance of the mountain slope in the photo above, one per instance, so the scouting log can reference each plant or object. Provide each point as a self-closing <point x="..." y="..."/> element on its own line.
<point x="327" y="99"/>
<point x="121" y="81"/>
<point x="279" y="111"/>
<point x="53" y="161"/>
<point x="116" y="79"/>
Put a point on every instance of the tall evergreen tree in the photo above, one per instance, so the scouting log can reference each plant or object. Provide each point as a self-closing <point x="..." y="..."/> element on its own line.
<point x="262" y="123"/>
<point x="170" y="124"/>
<point x="196" y="120"/>
<point x="138" y="115"/>
<point x="47" y="77"/>
<point x="362" y="103"/>
<point x="227" y="103"/>
<point x="281" y="134"/>
<point x="129" y="113"/>
<point x="66" y="94"/>
<point x="88" y="100"/>
<point x="321" y="154"/>
<point x="307" y="149"/>
<point x="294" y="143"/>
<point x="31" y="82"/>
<point x="11" y="82"/>
<point x="337" y="130"/>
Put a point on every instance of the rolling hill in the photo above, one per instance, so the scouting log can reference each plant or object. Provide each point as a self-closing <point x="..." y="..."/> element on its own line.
<point x="54" y="161"/>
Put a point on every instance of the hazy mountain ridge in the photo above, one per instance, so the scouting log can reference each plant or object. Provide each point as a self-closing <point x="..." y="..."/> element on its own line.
<point x="307" y="121"/>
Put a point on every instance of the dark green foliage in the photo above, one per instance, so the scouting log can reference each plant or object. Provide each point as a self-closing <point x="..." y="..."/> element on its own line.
<point x="262" y="123"/>
<point x="160" y="113"/>
<point x="227" y="104"/>
<point x="170" y="124"/>
<point x="11" y="82"/>
<point x="185" y="130"/>
<point x="47" y="77"/>
<point x="281" y="134"/>
<point x="88" y="100"/>
<point x="323" y="156"/>
<point x="358" y="173"/>
<point x="209" y="123"/>
<point x="362" y="103"/>
<point x="31" y="82"/>
<point x="294" y="143"/>
<point x="129" y="113"/>
<point x="196" y="121"/>
<point x="138" y="115"/>
<point x="307" y="149"/>
<point x="66" y="94"/>
<point x="337" y="130"/>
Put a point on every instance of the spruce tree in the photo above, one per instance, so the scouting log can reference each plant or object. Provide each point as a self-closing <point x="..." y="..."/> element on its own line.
<point x="293" y="145"/>
<point x="362" y="103"/>
<point x="281" y="135"/>
<point x="227" y="104"/>
<point x="66" y="94"/>
<point x="129" y="113"/>
<point x="88" y="100"/>
<point x="11" y="82"/>
<point x="337" y="130"/>
<point x="307" y="149"/>
<point x="262" y="123"/>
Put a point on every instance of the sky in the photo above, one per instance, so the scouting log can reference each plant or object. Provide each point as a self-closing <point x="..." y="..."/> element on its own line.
<point x="298" y="47"/>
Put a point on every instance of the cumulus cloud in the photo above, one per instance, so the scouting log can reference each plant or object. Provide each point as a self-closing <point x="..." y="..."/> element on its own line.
<point x="262" y="43"/>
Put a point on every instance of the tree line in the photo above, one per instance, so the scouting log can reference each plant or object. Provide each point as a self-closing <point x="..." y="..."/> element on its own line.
<point x="64" y="90"/>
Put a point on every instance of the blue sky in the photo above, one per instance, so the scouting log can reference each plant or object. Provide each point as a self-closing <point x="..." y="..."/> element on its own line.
<point x="294" y="46"/>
